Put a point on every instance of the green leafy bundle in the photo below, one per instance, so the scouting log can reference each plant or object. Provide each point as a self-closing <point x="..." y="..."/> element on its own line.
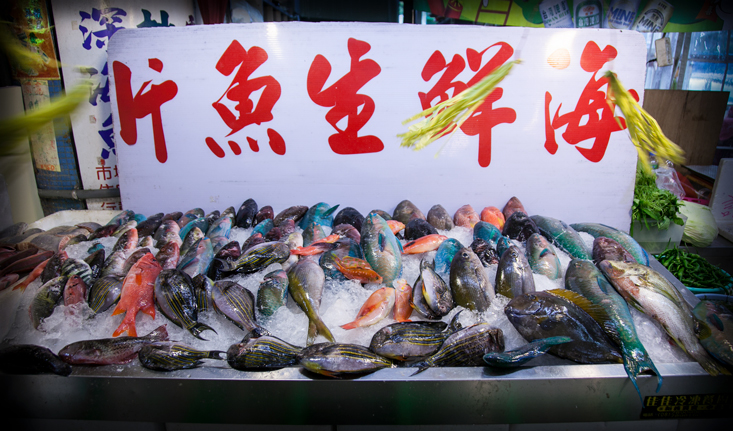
<point x="652" y="204"/>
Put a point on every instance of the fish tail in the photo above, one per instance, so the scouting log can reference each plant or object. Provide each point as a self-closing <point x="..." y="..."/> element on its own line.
<point x="22" y="284"/>
<point x="421" y="366"/>
<point x="216" y="354"/>
<point x="709" y="364"/>
<point x="118" y="310"/>
<point x="316" y="327"/>
<point x="351" y="325"/>
<point x="636" y="363"/>
<point x="158" y="334"/>
<point x="198" y="328"/>
<point x="149" y="310"/>
<point x="128" y="324"/>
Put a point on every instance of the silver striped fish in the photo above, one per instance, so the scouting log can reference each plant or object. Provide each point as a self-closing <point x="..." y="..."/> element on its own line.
<point x="465" y="348"/>
<point x="262" y="353"/>
<point x="336" y="360"/>
<point x="105" y="292"/>
<point x="166" y="357"/>
<point x="237" y="304"/>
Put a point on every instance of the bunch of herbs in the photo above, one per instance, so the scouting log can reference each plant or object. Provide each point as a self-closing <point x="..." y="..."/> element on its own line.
<point x="652" y="204"/>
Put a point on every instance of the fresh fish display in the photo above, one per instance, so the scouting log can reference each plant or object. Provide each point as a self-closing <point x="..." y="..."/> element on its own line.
<point x="238" y="305"/>
<point x="563" y="236"/>
<point x="381" y="248"/>
<point x="137" y="294"/>
<point x="171" y="357"/>
<point x="262" y="353"/>
<point x="439" y="218"/>
<point x="584" y="278"/>
<point x="349" y="216"/>
<point x="466" y="216"/>
<point x="718" y="338"/>
<point x="541" y="315"/>
<point x="542" y="257"/>
<point x="469" y="283"/>
<point x="44" y="303"/>
<point x="175" y="297"/>
<point x="405" y="341"/>
<point x="609" y="249"/>
<point x="406" y="211"/>
<point x="31" y="359"/>
<point x="246" y="214"/>
<point x="465" y="348"/>
<point x="108" y="351"/>
<point x="524" y="354"/>
<point x="519" y="226"/>
<point x="336" y="360"/>
<point x="494" y="216"/>
<point x="624" y="239"/>
<point x="305" y="284"/>
<point x="416" y="229"/>
<point x="653" y="295"/>
<point x="377" y="307"/>
<point x="273" y="292"/>
<point x="514" y="275"/>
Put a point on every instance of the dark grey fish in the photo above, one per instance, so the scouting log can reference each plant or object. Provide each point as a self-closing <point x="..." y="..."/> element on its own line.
<point x="541" y="315"/>
<point x="253" y="240"/>
<point x="524" y="354"/>
<point x="469" y="283"/>
<point x="202" y="288"/>
<point x="277" y="233"/>
<point x="192" y="238"/>
<point x="245" y="217"/>
<point x="77" y="267"/>
<point x="404" y="341"/>
<point x="264" y="213"/>
<point x="260" y="257"/>
<point x="262" y="354"/>
<point x="294" y="213"/>
<point x="609" y="249"/>
<point x="108" y="351"/>
<point x="223" y="258"/>
<point x="407" y="211"/>
<point x="436" y="292"/>
<point x="336" y="360"/>
<point x="53" y="267"/>
<point x="46" y="299"/>
<point x="418" y="302"/>
<point x="305" y="284"/>
<point x="230" y="211"/>
<point x="519" y="226"/>
<point x="133" y="258"/>
<point x="465" y="348"/>
<point x="418" y="228"/>
<point x="31" y="359"/>
<point x="347" y="231"/>
<point x="514" y="275"/>
<point x="105" y="292"/>
<point x="114" y="265"/>
<point x="381" y="213"/>
<point x="149" y="225"/>
<point x="175" y="298"/>
<point x="96" y="263"/>
<point x="171" y="357"/>
<point x="273" y="292"/>
<point x="439" y="218"/>
<point x="485" y="251"/>
<point x="174" y="216"/>
<point x="212" y="217"/>
<point x="13" y="230"/>
<point x="237" y="304"/>
<point x="349" y="216"/>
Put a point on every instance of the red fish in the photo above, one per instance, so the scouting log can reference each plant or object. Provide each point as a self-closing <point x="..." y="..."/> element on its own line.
<point x="30" y="278"/>
<point x="466" y="216"/>
<point x="168" y="255"/>
<point x="424" y="244"/>
<point x="494" y="216"/>
<point x="403" y="294"/>
<point x="75" y="291"/>
<point x="137" y="293"/>
<point x="513" y="206"/>
<point x="395" y="226"/>
<point x="357" y="269"/>
<point x="376" y="308"/>
<point x="316" y="247"/>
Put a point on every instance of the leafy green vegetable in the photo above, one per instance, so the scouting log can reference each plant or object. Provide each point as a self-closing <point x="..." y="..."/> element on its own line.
<point x="652" y="203"/>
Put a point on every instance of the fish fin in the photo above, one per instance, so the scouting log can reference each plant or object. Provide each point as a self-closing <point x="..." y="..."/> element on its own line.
<point x="399" y="244"/>
<point x="330" y="211"/>
<point x="422" y="366"/>
<point x="312" y="333"/>
<point x="381" y="241"/>
<point x="350" y="325"/>
<point x="639" y="362"/>
<point x="158" y="334"/>
<point x="126" y="325"/>
<point x="597" y="312"/>
<point x="149" y="310"/>
<point x="323" y="330"/>
<point x="118" y="310"/>
<point x="454" y="324"/>
<point x="198" y="328"/>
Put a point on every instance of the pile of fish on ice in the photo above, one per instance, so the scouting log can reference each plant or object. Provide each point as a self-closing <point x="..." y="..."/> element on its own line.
<point x="345" y="294"/>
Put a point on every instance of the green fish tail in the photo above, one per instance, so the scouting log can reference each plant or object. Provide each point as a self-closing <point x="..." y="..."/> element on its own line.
<point x="635" y="363"/>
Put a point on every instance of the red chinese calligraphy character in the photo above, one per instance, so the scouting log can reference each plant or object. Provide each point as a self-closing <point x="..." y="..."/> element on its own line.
<point x="103" y="172"/>
<point x="132" y="108"/>
<point x="240" y="91"/>
<point x="483" y="120"/>
<point x="584" y="122"/>
<point x="344" y="101"/>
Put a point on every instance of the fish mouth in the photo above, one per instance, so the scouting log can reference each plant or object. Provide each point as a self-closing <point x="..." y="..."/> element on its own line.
<point x="610" y="269"/>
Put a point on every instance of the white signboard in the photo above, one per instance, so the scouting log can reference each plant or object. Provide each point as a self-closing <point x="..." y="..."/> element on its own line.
<point x="301" y="113"/>
<point x="84" y="29"/>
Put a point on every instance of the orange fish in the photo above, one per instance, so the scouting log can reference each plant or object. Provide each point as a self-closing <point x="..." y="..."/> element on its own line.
<point x="395" y="226"/>
<point x="316" y="247"/>
<point x="137" y="293"/>
<point x="402" y="307"/>
<point x="357" y="269"/>
<point x="466" y="216"/>
<point x="424" y="244"/>
<point x="376" y="308"/>
<point x="494" y="216"/>
<point x="30" y="278"/>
